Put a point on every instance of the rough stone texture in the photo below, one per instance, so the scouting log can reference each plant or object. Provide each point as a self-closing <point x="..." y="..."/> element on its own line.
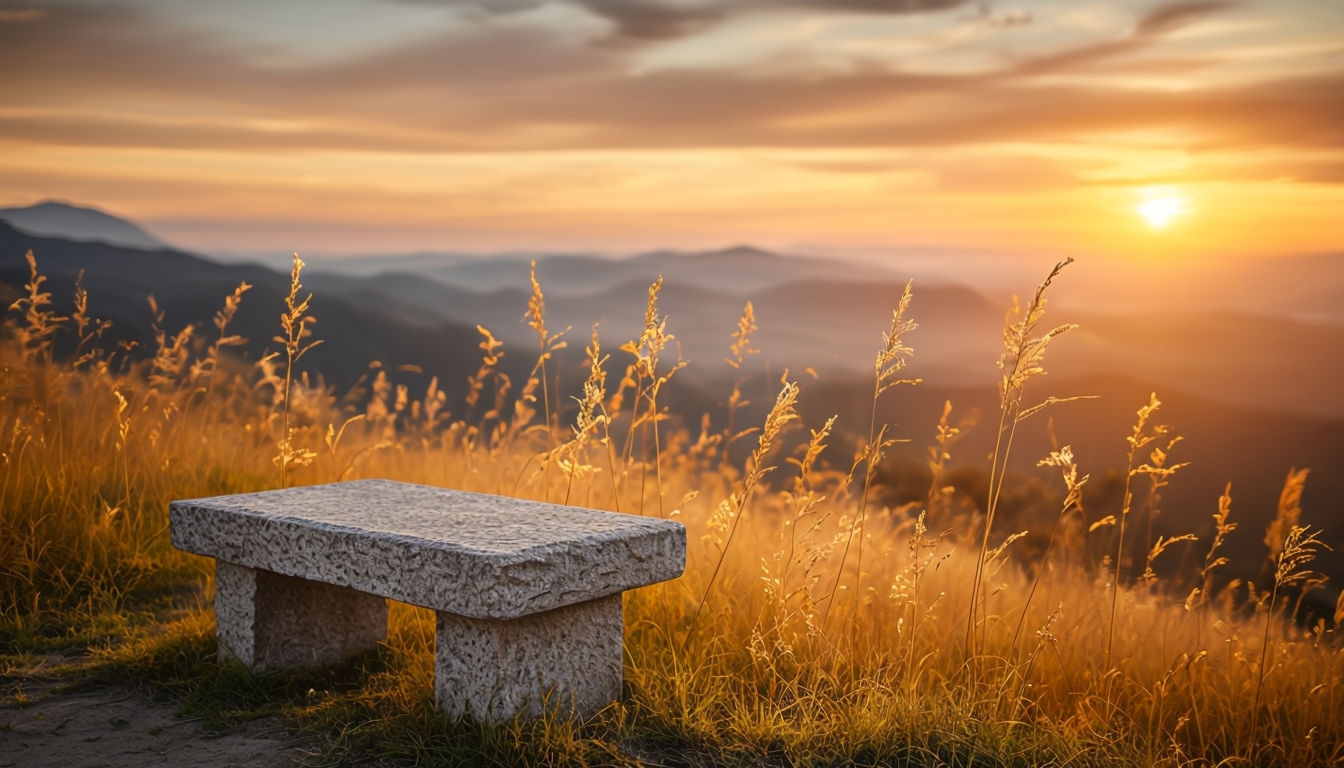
<point x="568" y="658"/>
<point x="528" y="594"/>
<point x="471" y="554"/>
<point x="269" y="621"/>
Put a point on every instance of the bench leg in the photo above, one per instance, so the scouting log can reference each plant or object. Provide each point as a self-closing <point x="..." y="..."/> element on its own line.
<point x="494" y="669"/>
<point x="269" y="621"/>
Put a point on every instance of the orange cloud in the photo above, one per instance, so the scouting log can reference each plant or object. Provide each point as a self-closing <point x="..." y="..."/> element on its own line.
<point x="495" y="118"/>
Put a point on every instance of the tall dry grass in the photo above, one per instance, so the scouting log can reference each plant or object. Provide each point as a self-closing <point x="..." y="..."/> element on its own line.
<point x="813" y="624"/>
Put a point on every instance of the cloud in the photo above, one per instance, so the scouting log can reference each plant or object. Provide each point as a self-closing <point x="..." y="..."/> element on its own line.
<point x="1271" y="166"/>
<point x="1172" y="16"/>
<point x="81" y="53"/>
<point x="654" y="21"/>
<point x="1148" y="30"/>
<point x="707" y="110"/>
<point x="19" y="15"/>
<point x="872" y="6"/>
<point x="631" y="20"/>
<point x="644" y="21"/>
<point x="1002" y="19"/>
<point x="647" y="20"/>
<point x="956" y="172"/>
<point x="108" y="76"/>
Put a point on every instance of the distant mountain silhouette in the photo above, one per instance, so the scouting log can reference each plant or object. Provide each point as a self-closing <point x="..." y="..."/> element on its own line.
<point x="1300" y="287"/>
<point x="71" y="222"/>
<point x="1253" y="395"/>
<point x="735" y="270"/>
<point x="190" y="289"/>
<point x="831" y="326"/>
<point x="815" y="313"/>
<point x="834" y="324"/>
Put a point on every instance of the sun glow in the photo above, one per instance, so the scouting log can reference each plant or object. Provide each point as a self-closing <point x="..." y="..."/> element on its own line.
<point x="1161" y="208"/>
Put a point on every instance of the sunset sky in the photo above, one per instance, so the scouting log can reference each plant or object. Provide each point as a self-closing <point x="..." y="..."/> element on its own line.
<point x="342" y="126"/>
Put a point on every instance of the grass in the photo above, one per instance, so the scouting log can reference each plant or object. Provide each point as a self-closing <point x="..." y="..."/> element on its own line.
<point x="813" y="626"/>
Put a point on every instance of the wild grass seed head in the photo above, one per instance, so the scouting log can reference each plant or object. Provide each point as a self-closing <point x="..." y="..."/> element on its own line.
<point x="40" y="323"/>
<point x="741" y="348"/>
<point x="1289" y="511"/>
<point x="895" y="354"/>
<point x="1024" y="352"/>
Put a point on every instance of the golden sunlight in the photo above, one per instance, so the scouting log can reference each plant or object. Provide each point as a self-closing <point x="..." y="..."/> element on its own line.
<point x="1160" y="208"/>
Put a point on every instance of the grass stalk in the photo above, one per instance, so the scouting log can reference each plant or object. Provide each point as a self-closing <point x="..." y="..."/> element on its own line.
<point x="890" y="361"/>
<point x="1022" y="359"/>
<point x="294" y="322"/>
<point x="783" y="412"/>
<point x="1297" y="551"/>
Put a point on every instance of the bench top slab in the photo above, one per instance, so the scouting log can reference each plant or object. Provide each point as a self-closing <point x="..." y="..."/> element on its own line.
<point x="470" y="554"/>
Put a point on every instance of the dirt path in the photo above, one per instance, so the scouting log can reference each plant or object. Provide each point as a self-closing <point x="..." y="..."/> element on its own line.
<point x="42" y="724"/>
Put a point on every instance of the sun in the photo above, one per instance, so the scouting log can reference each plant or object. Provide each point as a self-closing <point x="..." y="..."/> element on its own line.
<point x="1160" y="209"/>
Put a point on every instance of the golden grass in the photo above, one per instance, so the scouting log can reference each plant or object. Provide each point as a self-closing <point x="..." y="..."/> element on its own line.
<point x="812" y="626"/>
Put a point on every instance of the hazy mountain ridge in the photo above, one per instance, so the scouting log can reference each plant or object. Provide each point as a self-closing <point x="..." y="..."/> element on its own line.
<point x="1302" y="287"/>
<point x="189" y="290"/>
<point x="736" y="270"/>
<point x="56" y="219"/>
<point x="835" y="327"/>
<point x="826" y="315"/>
<point x="1250" y="360"/>
<point x="406" y="319"/>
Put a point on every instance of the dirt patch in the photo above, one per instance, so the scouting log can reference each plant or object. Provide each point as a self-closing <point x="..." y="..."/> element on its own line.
<point x="43" y="722"/>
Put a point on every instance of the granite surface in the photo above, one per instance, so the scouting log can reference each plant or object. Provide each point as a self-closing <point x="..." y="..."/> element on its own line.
<point x="268" y="621"/>
<point x="470" y="554"/>
<point x="567" y="660"/>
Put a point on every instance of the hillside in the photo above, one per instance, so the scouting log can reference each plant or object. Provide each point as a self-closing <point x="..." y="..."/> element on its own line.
<point x="189" y="290"/>
<point x="1251" y="448"/>
<point x="834" y="326"/>
<point x="1243" y="423"/>
<point x="103" y="453"/>
<point x="72" y="222"/>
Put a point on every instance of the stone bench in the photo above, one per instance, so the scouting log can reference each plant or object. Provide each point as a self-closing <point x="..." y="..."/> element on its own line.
<point x="527" y="595"/>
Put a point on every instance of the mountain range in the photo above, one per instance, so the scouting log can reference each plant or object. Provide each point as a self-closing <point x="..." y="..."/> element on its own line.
<point x="1253" y="393"/>
<point x="835" y="324"/>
